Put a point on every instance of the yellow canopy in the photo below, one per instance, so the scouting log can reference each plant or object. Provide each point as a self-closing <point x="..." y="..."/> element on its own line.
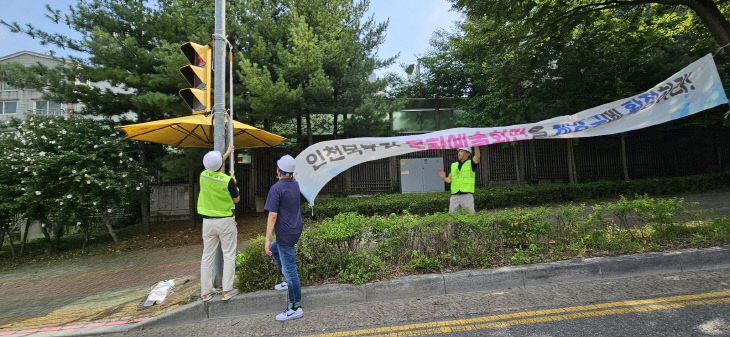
<point x="197" y="131"/>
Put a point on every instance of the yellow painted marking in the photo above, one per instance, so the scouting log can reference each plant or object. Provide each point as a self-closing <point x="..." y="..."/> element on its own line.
<point x="504" y="319"/>
<point x="543" y="319"/>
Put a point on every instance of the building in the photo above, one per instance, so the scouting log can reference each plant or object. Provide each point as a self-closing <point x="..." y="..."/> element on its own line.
<point x="18" y="103"/>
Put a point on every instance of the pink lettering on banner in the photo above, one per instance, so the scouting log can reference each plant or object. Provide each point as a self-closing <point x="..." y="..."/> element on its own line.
<point x="457" y="141"/>
<point x="436" y="143"/>
<point x="499" y="136"/>
<point x="518" y="134"/>
<point x="478" y="139"/>
<point x="416" y="144"/>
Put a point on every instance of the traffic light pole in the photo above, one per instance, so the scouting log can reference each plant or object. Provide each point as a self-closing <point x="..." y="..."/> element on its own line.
<point x="219" y="110"/>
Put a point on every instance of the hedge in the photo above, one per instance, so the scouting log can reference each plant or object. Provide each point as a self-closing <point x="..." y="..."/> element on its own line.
<point x="511" y="196"/>
<point x="352" y="248"/>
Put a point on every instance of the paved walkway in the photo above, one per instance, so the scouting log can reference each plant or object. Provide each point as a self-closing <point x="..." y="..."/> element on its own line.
<point x="107" y="288"/>
<point x="96" y="288"/>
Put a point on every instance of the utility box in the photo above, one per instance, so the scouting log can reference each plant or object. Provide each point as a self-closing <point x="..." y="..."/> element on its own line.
<point x="421" y="175"/>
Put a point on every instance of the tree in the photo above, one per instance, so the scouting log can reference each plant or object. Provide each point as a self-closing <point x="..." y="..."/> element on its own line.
<point x="301" y="58"/>
<point x="10" y="189"/>
<point x="70" y="172"/>
<point x="528" y="61"/>
<point x="542" y="18"/>
<point x="131" y="46"/>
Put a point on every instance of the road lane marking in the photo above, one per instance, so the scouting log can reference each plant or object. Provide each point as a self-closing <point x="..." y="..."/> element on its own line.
<point x="544" y="319"/>
<point x="526" y="317"/>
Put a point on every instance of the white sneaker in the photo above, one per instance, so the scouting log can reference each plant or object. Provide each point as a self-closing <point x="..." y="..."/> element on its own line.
<point x="230" y="294"/>
<point x="290" y="314"/>
<point x="281" y="286"/>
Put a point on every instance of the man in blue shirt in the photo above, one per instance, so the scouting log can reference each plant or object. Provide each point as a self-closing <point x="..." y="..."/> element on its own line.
<point x="285" y="218"/>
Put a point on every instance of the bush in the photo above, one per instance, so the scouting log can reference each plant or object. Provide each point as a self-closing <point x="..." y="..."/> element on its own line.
<point x="363" y="267"/>
<point x="256" y="270"/>
<point x="357" y="249"/>
<point x="510" y="196"/>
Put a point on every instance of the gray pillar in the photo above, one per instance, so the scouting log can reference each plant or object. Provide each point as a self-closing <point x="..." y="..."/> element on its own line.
<point x="219" y="111"/>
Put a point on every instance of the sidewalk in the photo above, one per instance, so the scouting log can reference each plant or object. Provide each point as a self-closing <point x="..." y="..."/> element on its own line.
<point x="96" y="288"/>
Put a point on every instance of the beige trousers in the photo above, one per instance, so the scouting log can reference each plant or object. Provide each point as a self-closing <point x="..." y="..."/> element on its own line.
<point x="223" y="231"/>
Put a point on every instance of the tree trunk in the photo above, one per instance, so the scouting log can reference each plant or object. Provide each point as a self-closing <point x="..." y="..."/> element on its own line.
<point x="49" y="244"/>
<point x="713" y="19"/>
<point x="334" y="126"/>
<point x="108" y="224"/>
<point x="86" y="239"/>
<point x="144" y="202"/>
<point x="12" y="245"/>
<point x="25" y="236"/>
<point x="2" y="237"/>
<point x="191" y="198"/>
<point x="299" y="127"/>
<point x="309" y="129"/>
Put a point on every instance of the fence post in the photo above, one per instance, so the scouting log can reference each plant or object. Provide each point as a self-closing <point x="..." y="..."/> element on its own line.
<point x="393" y="173"/>
<point x="517" y="162"/>
<point x="347" y="182"/>
<point x="572" y="176"/>
<point x="624" y="163"/>
<point x="533" y="160"/>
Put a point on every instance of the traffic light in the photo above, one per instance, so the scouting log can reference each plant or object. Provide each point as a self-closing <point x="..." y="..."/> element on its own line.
<point x="198" y="75"/>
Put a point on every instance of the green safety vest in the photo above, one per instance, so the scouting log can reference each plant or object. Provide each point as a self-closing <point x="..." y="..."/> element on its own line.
<point x="214" y="199"/>
<point x="462" y="180"/>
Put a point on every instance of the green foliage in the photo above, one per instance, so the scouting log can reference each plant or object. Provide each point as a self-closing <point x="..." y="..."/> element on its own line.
<point x="308" y="57"/>
<point x="357" y="249"/>
<point x="521" y="226"/>
<point x="510" y="196"/>
<point x="363" y="267"/>
<point x="525" y="61"/>
<point x="423" y="262"/>
<point x="521" y="256"/>
<point x="256" y="270"/>
<point x="714" y="232"/>
<point x="82" y="167"/>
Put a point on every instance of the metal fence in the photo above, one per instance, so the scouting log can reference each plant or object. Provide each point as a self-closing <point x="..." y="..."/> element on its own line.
<point x="638" y="154"/>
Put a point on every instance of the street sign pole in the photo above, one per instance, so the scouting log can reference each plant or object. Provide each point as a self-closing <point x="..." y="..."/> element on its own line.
<point x="219" y="111"/>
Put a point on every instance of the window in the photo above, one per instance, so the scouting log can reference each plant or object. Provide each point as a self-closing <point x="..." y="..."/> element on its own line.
<point x="48" y="108"/>
<point x="6" y="86"/>
<point x="8" y="107"/>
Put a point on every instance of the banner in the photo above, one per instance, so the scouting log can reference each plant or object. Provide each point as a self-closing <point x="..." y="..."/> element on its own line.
<point x="695" y="88"/>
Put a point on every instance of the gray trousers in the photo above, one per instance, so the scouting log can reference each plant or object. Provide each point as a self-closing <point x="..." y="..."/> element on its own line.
<point x="463" y="201"/>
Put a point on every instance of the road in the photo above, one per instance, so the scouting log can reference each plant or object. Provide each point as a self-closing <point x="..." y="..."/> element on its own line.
<point x="686" y="304"/>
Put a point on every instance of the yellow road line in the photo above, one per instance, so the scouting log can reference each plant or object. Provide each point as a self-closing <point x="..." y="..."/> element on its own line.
<point x="436" y="326"/>
<point x="501" y="324"/>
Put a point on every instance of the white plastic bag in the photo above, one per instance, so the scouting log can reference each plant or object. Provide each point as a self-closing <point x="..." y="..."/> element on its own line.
<point x="159" y="292"/>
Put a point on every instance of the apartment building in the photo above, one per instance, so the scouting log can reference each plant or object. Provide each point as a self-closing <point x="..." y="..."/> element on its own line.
<point x="18" y="103"/>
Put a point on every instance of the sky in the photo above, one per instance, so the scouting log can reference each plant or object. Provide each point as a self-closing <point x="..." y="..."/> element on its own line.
<point x="412" y="23"/>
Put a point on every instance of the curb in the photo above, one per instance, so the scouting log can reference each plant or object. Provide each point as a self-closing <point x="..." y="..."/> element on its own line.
<point x="569" y="271"/>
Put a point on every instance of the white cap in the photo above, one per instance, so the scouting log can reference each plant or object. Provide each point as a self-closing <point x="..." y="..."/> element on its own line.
<point x="286" y="164"/>
<point x="467" y="149"/>
<point x="213" y="161"/>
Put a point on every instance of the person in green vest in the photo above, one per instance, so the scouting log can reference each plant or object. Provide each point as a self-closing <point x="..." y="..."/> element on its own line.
<point x="462" y="179"/>
<point x="218" y="193"/>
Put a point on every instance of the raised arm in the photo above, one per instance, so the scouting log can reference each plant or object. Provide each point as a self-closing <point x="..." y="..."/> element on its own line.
<point x="477" y="155"/>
